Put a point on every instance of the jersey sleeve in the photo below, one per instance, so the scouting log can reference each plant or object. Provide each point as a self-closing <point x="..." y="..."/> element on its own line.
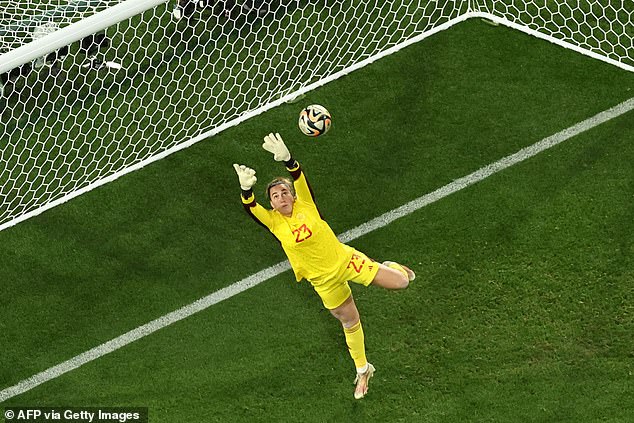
<point x="302" y="187"/>
<point x="258" y="213"/>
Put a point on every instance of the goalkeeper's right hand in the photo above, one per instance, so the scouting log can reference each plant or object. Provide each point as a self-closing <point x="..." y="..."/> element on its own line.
<point x="246" y="175"/>
<point x="274" y="144"/>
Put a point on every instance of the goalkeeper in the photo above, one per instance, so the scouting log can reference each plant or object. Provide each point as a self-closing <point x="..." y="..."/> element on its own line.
<point x="316" y="254"/>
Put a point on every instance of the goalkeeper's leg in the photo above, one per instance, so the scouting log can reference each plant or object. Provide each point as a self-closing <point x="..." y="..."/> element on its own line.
<point x="392" y="275"/>
<point x="348" y="315"/>
<point x="365" y="271"/>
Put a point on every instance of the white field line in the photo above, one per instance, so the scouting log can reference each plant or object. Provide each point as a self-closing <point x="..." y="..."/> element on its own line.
<point x="268" y="273"/>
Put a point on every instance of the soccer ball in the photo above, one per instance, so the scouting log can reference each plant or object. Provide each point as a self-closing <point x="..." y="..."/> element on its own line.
<point x="314" y="120"/>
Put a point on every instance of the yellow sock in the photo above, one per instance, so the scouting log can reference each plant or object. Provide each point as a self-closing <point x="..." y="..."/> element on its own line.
<point x="356" y="345"/>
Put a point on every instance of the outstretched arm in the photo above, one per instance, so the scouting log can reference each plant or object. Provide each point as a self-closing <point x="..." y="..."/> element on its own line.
<point x="247" y="179"/>
<point x="274" y="144"/>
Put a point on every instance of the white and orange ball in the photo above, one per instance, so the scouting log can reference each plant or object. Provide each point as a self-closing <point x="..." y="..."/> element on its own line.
<point x="314" y="120"/>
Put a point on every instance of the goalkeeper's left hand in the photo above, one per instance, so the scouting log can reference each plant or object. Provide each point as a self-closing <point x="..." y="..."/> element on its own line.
<point x="273" y="143"/>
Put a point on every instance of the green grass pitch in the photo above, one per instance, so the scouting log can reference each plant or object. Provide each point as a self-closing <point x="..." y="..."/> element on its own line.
<point x="521" y="311"/>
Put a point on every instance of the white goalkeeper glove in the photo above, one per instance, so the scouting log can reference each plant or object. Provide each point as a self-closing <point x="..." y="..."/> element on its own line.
<point x="246" y="175"/>
<point x="273" y="143"/>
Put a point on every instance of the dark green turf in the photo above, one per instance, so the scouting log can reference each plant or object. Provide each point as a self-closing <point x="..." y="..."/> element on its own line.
<point x="522" y="307"/>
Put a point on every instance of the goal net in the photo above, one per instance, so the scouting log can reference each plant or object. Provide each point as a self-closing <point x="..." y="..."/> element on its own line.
<point x="23" y="21"/>
<point x="152" y="84"/>
<point x="111" y="95"/>
<point x="603" y="29"/>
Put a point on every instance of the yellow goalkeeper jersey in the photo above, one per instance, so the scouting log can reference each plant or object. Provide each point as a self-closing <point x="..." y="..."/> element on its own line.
<point x="311" y="246"/>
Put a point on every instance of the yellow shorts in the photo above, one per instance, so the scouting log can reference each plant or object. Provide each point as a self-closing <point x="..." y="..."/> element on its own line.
<point x="361" y="270"/>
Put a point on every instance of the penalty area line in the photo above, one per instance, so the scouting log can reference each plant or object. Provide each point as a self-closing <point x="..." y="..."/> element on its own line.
<point x="270" y="272"/>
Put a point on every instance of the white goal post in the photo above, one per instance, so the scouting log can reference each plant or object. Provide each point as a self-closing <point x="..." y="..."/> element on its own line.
<point x="86" y="100"/>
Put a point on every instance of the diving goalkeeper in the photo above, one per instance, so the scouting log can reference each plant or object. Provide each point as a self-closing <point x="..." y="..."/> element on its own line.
<point x="316" y="254"/>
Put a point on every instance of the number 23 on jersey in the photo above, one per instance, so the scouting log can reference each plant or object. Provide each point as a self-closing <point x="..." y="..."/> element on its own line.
<point x="302" y="233"/>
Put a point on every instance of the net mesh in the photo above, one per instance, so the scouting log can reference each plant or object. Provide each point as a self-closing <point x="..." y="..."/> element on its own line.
<point x="604" y="27"/>
<point x="23" y="21"/>
<point x="174" y="73"/>
<point x="157" y="81"/>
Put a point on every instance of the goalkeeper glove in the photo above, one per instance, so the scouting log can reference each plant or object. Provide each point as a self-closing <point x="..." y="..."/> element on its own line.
<point x="273" y="143"/>
<point x="246" y="175"/>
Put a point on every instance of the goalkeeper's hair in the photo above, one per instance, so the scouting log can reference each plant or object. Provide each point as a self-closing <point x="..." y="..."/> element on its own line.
<point x="280" y="181"/>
